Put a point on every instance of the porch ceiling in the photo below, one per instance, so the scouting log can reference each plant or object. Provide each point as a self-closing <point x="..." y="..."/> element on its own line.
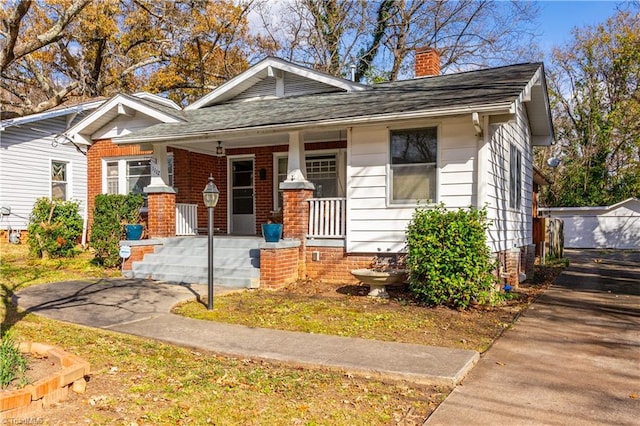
<point x="208" y="145"/>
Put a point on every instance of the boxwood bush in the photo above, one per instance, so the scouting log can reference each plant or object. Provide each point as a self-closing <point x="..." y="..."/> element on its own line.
<point x="110" y="213"/>
<point x="448" y="258"/>
<point x="54" y="228"/>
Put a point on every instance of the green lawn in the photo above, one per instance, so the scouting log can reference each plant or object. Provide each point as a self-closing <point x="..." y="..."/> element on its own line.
<point x="140" y="381"/>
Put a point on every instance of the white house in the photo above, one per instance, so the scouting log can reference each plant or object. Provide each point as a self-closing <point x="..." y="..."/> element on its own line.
<point x="36" y="162"/>
<point x="345" y="163"/>
<point x="616" y="226"/>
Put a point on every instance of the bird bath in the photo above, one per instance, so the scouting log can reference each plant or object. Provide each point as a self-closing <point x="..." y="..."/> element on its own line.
<point x="378" y="280"/>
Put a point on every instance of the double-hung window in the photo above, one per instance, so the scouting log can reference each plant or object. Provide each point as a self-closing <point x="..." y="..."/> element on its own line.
<point x="130" y="175"/>
<point x="322" y="171"/>
<point x="414" y="155"/>
<point x="515" y="177"/>
<point x="59" y="180"/>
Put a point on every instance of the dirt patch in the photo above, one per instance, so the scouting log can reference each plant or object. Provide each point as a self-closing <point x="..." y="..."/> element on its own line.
<point x="38" y="367"/>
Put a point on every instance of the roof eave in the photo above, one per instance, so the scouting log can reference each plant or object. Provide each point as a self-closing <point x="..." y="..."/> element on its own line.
<point x="490" y="109"/>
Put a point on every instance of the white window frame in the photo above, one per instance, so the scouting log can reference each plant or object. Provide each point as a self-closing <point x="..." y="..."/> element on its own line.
<point x="68" y="169"/>
<point x="389" y="179"/>
<point x="515" y="177"/>
<point x="122" y="171"/>
<point x="339" y="153"/>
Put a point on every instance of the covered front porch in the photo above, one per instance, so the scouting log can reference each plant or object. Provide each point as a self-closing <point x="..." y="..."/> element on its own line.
<point x="300" y="183"/>
<point x="260" y="179"/>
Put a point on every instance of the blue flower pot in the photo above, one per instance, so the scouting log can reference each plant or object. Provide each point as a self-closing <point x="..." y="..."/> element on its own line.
<point x="133" y="232"/>
<point x="272" y="232"/>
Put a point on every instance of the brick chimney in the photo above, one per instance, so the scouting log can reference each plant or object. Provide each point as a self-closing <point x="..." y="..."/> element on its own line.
<point x="427" y="62"/>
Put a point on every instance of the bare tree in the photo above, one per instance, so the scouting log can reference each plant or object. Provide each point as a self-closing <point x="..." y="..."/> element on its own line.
<point x="380" y="37"/>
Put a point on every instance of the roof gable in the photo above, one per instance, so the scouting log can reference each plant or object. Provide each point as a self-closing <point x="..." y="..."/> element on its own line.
<point x="275" y="78"/>
<point x="160" y="109"/>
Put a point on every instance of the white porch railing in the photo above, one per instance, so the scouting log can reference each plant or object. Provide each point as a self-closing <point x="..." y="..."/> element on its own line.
<point x="186" y="219"/>
<point x="327" y="217"/>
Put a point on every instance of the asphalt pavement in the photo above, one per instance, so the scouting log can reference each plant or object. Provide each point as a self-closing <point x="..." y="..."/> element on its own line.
<point x="573" y="358"/>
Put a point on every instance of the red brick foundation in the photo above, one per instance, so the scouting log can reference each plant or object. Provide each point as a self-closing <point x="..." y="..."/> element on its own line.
<point x="137" y="253"/>
<point x="333" y="264"/>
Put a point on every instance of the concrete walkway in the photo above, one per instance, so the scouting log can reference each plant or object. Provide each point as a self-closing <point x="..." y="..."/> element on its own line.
<point x="572" y="359"/>
<point x="142" y="308"/>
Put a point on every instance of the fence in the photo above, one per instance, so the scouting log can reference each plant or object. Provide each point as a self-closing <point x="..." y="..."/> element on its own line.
<point x="327" y="217"/>
<point x="186" y="219"/>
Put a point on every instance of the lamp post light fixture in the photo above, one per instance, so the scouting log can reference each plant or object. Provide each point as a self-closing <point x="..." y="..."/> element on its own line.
<point x="210" y="197"/>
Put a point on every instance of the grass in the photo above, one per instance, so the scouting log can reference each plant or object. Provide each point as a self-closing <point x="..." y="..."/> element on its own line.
<point x="141" y="381"/>
<point x="398" y="320"/>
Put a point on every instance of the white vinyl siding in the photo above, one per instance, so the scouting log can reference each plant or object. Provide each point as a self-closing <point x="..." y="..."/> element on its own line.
<point x="511" y="227"/>
<point x="373" y="224"/>
<point x="124" y="125"/>
<point x="25" y="168"/>
<point x="292" y="85"/>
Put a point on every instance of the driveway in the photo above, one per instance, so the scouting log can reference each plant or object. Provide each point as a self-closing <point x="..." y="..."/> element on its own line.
<point x="572" y="359"/>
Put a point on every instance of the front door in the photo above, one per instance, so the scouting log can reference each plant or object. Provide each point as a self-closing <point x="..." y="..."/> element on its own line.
<point x="243" y="218"/>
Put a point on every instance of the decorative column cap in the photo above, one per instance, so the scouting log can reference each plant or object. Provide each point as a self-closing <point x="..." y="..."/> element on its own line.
<point x="297" y="184"/>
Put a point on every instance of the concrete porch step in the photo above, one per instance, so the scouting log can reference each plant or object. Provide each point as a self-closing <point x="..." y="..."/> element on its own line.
<point x="165" y="257"/>
<point x="185" y="260"/>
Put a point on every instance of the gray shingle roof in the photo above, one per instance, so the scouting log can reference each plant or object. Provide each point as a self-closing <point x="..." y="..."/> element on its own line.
<point x="468" y="89"/>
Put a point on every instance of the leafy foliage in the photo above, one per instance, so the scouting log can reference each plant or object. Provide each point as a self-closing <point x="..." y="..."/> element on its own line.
<point x="54" y="51"/>
<point x="594" y="85"/>
<point x="111" y="212"/>
<point x="448" y="258"/>
<point x="54" y="228"/>
<point x="13" y="365"/>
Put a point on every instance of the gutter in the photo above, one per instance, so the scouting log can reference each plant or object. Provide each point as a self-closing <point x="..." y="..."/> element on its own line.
<point x="491" y="109"/>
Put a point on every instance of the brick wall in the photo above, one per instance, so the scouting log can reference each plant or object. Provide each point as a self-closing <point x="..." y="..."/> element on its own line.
<point x="162" y="215"/>
<point x="334" y="264"/>
<point x="137" y="254"/>
<point x="263" y="190"/>
<point x="191" y="174"/>
<point x="99" y="150"/>
<point x="278" y="267"/>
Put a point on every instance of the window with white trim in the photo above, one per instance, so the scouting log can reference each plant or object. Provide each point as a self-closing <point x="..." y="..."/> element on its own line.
<point x="130" y="175"/>
<point x="322" y="171"/>
<point x="414" y="155"/>
<point x="59" y="182"/>
<point x="515" y="177"/>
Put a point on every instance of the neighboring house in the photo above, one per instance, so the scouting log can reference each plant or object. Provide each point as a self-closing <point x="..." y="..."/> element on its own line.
<point x="616" y="226"/>
<point x="345" y="164"/>
<point x="36" y="162"/>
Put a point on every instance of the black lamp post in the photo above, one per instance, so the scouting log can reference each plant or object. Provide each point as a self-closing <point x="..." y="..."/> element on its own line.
<point x="210" y="196"/>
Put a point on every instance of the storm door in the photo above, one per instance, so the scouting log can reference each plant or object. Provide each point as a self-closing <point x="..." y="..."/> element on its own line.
<point x="243" y="218"/>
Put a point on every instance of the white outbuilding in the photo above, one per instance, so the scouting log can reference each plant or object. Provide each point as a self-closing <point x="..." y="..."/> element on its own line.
<point x="616" y="226"/>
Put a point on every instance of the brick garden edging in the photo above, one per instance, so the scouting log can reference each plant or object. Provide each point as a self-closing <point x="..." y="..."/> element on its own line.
<point x="34" y="397"/>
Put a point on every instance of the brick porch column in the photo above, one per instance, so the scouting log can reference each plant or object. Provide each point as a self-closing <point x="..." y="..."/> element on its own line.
<point x="295" y="216"/>
<point x="162" y="212"/>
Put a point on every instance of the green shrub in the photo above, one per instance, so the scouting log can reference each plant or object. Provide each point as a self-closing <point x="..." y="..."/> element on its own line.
<point x="110" y="213"/>
<point x="448" y="258"/>
<point x="54" y="228"/>
<point x="13" y="364"/>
